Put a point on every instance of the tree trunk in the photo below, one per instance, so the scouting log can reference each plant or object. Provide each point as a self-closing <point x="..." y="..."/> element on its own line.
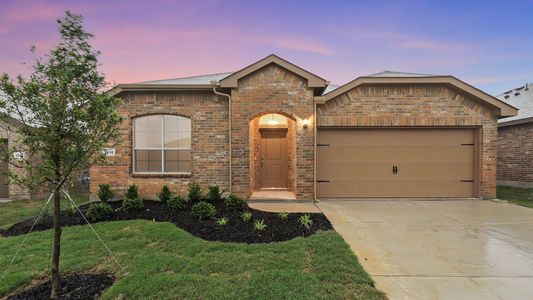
<point x="56" y="246"/>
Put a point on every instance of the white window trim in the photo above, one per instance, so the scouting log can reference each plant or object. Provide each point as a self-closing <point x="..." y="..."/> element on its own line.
<point x="133" y="156"/>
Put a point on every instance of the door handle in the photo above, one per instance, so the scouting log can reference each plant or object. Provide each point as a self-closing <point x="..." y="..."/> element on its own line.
<point x="394" y="169"/>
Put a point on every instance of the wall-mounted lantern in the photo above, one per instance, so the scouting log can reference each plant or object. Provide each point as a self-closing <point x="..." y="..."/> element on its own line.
<point x="305" y="122"/>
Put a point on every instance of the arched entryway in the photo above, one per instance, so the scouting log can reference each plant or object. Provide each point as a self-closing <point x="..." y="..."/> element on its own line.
<point x="273" y="154"/>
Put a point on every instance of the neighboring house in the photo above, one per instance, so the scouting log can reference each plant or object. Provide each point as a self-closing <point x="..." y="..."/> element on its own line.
<point x="515" y="139"/>
<point x="9" y="140"/>
<point x="274" y="126"/>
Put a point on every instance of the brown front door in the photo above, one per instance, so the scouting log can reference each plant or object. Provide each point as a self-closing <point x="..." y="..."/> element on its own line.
<point x="273" y="159"/>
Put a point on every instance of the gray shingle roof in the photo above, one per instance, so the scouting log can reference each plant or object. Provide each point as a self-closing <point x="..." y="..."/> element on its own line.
<point x="201" y="79"/>
<point x="521" y="98"/>
<point x="387" y="73"/>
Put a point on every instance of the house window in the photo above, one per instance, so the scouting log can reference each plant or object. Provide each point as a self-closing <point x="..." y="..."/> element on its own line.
<point x="162" y="144"/>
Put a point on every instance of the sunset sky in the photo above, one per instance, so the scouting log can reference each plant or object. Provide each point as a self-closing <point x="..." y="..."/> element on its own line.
<point x="486" y="43"/>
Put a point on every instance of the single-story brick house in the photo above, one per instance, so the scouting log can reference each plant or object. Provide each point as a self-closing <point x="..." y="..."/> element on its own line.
<point x="273" y="126"/>
<point x="515" y="139"/>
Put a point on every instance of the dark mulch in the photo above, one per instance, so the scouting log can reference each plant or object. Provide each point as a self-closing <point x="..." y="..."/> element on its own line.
<point x="74" y="286"/>
<point x="235" y="231"/>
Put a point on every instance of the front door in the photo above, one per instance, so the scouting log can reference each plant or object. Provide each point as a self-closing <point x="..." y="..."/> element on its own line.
<point x="273" y="159"/>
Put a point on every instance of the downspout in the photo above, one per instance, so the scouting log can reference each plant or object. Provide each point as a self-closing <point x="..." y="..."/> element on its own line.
<point x="229" y="132"/>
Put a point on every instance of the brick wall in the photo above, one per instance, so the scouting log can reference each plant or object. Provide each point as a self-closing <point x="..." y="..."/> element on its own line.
<point x="209" y="120"/>
<point x="272" y="89"/>
<point x="515" y="153"/>
<point x="390" y="105"/>
<point x="6" y="133"/>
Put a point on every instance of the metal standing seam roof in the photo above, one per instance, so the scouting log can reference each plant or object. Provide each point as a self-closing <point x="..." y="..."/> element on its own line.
<point x="521" y="98"/>
<point x="200" y="79"/>
<point x="387" y="73"/>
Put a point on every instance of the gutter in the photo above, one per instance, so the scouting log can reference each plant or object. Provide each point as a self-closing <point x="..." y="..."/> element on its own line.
<point x="229" y="132"/>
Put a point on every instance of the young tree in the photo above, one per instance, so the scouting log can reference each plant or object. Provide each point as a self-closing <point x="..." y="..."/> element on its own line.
<point x="66" y="116"/>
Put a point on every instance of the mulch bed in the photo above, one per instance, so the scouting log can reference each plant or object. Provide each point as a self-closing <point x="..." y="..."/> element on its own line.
<point x="73" y="286"/>
<point x="236" y="230"/>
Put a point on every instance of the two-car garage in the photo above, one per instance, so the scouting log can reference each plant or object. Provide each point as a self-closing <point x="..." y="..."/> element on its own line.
<point x="403" y="162"/>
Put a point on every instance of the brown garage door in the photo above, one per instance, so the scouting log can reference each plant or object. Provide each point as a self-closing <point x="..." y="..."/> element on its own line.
<point x="395" y="162"/>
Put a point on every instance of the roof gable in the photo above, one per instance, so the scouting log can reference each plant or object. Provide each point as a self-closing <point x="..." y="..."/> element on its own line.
<point x="313" y="80"/>
<point x="504" y="109"/>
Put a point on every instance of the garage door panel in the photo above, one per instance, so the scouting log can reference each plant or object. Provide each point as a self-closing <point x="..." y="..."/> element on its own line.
<point x="430" y="162"/>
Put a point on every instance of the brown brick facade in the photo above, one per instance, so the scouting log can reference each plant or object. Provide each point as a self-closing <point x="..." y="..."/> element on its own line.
<point x="272" y="89"/>
<point x="406" y="106"/>
<point x="209" y="125"/>
<point x="515" y="153"/>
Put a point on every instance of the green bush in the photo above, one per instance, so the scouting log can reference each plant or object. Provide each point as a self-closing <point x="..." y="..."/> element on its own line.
<point x="165" y="194"/>
<point x="177" y="203"/>
<point x="246" y="216"/>
<point x="105" y="193"/>
<point x="132" y="204"/>
<point x="283" y="215"/>
<point x="222" y="221"/>
<point x="132" y="192"/>
<point x="260" y="225"/>
<point x="234" y="203"/>
<point x="98" y="211"/>
<point x="305" y="221"/>
<point x="195" y="192"/>
<point x="204" y="210"/>
<point x="214" y="194"/>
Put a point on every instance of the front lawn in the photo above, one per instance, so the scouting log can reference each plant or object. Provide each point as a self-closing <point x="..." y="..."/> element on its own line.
<point x="161" y="261"/>
<point x="516" y="195"/>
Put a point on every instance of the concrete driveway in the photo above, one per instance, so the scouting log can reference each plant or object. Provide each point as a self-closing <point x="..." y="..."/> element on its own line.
<point x="469" y="249"/>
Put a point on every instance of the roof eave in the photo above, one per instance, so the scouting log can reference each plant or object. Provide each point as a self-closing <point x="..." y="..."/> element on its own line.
<point x="136" y="87"/>
<point x="516" y="122"/>
<point x="505" y="110"/>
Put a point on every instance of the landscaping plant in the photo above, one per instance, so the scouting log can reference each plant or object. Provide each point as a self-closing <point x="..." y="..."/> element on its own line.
<point x="260" y="225"/>
<point x="222" y="221"/>
<point x="165" y="194"/>
<point x="98" y="211"/>
<point x="203" y="210"/>
<point x="177" y="202"/>
<point x="246" y="216"/>
<point x="214" y="194"/>
<point x="305" y="221"/>
<point x="195" y="192"/>
<point x="65" y="117"/>
<point x="234" y="203"/>
<point x="283" y="215"/>
<point x="104" y="192"/>
<point x="132" y="201"/>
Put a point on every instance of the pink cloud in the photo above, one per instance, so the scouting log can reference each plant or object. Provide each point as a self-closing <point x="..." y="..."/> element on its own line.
<point x="294" y="43"/>
<point x="25" y="11"/>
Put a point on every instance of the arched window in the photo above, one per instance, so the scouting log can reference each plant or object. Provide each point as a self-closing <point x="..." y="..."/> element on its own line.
<point x="162" y="144"/>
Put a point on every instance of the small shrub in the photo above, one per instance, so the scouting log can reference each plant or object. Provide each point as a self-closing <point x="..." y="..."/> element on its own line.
<point x="234" y="203"/>
<point x="260" y="225"/>
<point x="105" y="193"/>
<point x="195" y="192"/>
<point x="214" y="194"/>
<point x="222" y="221"/>
<point x="246" y="216"/>
<point x="305" y="221"/>
<point x="71" y="209"/>
<point x="165" y="194"/>
<point x="132" y="192"/>
<point x="204" y="210"/>
<point x="177" y="203"/>
<point x="98" y="211"/>
<point x="132" y="204"/>
<point x="283" y="215"/>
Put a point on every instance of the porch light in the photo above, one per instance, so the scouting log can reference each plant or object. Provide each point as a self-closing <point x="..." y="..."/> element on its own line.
<point x="305" y="122"/>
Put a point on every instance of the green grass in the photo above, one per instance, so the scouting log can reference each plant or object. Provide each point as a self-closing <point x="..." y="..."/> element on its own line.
<point x="161" y="261"/>
<point x="516" y="195"/>
<point x="15" y="211"/>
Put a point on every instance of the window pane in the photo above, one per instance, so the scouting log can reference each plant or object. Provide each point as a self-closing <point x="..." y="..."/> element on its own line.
<point x="171" y="139"/>
<point x="184" y="139"/>
<point x="184" y="160"/>
<point x="148" y="132"/>
<point x="147" y="161"/>
<point x="184" y="124"/>
<point x="171" y="161"/>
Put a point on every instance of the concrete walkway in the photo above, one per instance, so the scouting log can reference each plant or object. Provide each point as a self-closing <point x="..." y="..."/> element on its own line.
<point x="285" y="207"/>
<point x="440" y="249"/>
